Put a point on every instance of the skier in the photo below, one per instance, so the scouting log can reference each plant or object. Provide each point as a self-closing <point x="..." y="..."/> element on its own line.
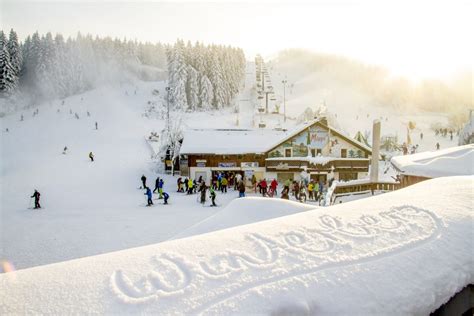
<point x="149" y="196"/>
<point x="437" y="146"/>
<point x="273" y="186"/>
<point x="202" y="189"/>
<point x="213" y="196"/>
<point x="36" y="195"/>
<point x="76" y="115"/>
<point x="21" y="118"/>
<point x="88" y="113"/>
<point x="190" y="186"/>
<point x="241" y="188"/>
<point x="160" y="188"/>
<point x="421" y="135"/>
<point x="65" y="150"/>
<point x="284" y="193"/>
<point x="166" y="197"/>
<point x="224" y="183"/>
<point x="143" y="178"/>
<point x="310" y="190"/>
<point x="178" y="184"/>
<point x="186" y="182"/>
<point x="96" y="126"/>
<point x="263" y="186"/>
<point x="91" y="156"/>
<point x="157" y="185"/>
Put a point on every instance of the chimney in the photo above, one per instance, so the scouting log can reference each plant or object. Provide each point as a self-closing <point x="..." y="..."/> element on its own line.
<point x="323" y="120"/>
<point x="374" y="167"/>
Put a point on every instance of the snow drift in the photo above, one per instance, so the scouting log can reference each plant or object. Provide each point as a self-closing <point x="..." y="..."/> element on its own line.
<point x="245" y="211"/>
<point x="405" y="252"/>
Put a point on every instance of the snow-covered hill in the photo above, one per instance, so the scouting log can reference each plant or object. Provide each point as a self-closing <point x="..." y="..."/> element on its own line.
<point x="400" y="253"/>
<point x="89" y="208"/>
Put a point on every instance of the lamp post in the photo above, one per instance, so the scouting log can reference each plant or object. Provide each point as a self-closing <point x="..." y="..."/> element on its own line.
<point x="284" y="99"/>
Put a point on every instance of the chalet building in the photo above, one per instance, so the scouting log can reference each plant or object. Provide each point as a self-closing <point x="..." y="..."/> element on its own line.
<point x="316" y="148"/>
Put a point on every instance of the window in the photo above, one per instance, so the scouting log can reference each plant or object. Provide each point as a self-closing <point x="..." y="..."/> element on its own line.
<point x="347" y="176"/>
<point x="313" y="152"/>
<point x="343" y="153"/>
<point x="287" y="152"/>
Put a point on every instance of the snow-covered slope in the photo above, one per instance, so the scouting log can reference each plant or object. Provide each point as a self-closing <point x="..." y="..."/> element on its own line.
<point x="89" y="208"/>
<point x="245" y="211"/>
<point x="401" y="253"/>
<point x="447" y="162"/>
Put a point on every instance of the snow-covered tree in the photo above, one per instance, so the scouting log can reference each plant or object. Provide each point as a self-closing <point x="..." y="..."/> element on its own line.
<point x="15" y="56"/>
<point x="192" y="88"/>
<point x="7" y="72"/>
<point x="205" y="93"/>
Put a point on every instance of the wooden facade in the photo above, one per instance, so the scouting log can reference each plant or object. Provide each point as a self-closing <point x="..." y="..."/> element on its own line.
<point x="342" y="157"/>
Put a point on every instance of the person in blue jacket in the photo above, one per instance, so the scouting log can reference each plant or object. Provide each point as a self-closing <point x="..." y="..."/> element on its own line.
<point x="160" y="188"/>
<point x="149" y="195"/>
<point x="166" y="197"/>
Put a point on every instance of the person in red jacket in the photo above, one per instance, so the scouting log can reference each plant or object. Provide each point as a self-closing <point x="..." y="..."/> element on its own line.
<point x="263" y="186"/>
<point x="273" y="187"/>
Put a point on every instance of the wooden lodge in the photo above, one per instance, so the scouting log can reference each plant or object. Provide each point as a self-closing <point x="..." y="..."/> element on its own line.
<point x="315" y="148"/>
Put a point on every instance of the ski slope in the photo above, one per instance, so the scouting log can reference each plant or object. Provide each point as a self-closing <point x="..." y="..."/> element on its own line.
<point x="402" y="253"/>
<point x="88" y="208"/>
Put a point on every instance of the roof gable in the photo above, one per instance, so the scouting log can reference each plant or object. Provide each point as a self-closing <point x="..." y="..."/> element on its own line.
<point x="298" y="131"/>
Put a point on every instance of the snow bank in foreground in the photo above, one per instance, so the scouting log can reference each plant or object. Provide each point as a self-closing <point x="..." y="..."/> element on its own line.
<point x="405" y="252"/>
<point x="245" y="211"/>
<point x="453" y="161"/>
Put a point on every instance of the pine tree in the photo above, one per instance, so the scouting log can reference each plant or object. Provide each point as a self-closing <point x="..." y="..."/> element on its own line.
<point x="205" y="92"/>
<point x="192" y="88"/>
<point x="178" y="77"/>
<point x="15" y="56"/>
<point x="7" y="72"/>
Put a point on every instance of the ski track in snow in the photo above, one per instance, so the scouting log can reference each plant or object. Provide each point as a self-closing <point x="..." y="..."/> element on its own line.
<point x="331" y="242"/>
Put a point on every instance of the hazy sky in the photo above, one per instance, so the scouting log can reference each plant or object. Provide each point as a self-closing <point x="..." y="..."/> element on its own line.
<point x="413" y="38"/>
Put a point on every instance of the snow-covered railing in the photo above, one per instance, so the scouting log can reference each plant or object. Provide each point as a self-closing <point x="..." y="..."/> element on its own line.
<point x="362" y="186"/>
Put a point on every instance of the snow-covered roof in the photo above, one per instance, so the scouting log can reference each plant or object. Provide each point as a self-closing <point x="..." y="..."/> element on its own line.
<point x="356" y="258"/>
<point x="244" y="141"/>
<point x="298" y="129"/>
<point x="228" y="141"/>
<point x="318" y="160"/>
<point x="441" y="163"/>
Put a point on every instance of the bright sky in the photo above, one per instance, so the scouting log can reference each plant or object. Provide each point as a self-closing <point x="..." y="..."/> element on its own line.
<point x="415" y="38"/>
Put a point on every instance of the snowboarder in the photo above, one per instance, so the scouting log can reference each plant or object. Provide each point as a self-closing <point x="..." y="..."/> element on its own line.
<point x="36" y="195"/>
<point x="166" y="197"/>
<point x="143" y="178"/>
<point x="149" y="196"/>
<point x="202" y="189"/>
<point x="91" y="156"/>
<point x="213" y="196"/>
<point x="65" y="150"/>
